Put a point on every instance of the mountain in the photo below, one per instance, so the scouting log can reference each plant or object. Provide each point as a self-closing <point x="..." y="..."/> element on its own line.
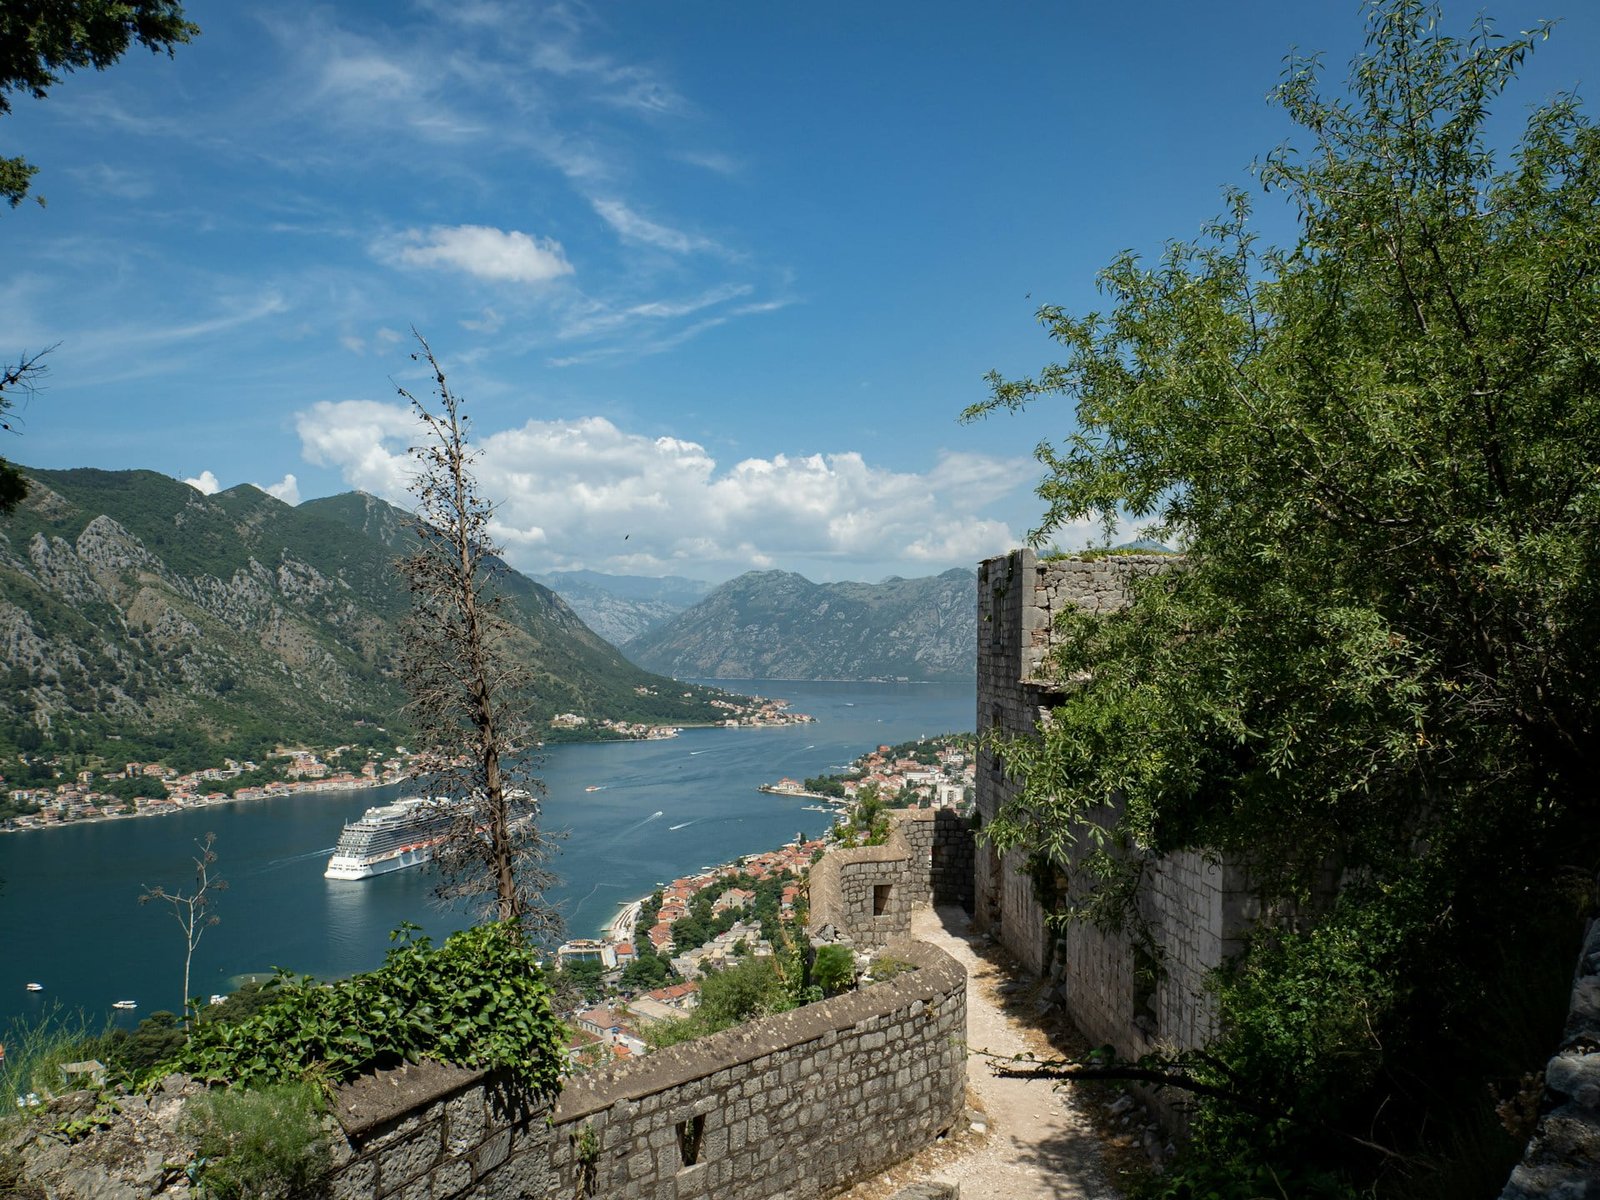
<point x="622" y="607"/>
<point x="778" y="625"/>
<point x="134" y="607"/>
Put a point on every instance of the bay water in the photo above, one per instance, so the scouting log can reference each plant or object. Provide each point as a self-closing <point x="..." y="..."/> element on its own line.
<point x="70" y="916"/>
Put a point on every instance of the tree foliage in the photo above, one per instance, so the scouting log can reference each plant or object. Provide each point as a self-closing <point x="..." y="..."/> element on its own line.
<point x="1379" y="449"/>
<point x="468" y="691"/>
<point x="41" y="39"/>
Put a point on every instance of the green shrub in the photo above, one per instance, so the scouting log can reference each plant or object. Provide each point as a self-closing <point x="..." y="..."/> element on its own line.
<point x="753" y="988"/>
<point x="834" y="969"/>
<point x="262" y="1144"/>
<point x="479" y="1000"/>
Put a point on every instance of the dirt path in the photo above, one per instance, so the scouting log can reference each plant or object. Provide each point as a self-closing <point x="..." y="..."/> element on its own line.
<point x="1027" y="1142"/>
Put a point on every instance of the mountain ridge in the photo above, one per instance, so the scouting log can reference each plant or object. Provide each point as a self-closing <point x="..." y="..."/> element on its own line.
<point x="132" y="604"/>
<point x="777" y="624"/>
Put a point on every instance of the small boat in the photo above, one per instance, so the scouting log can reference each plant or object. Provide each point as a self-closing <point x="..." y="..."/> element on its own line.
<point x="34" y="987"/>
<point x="126" y="1004"/>
<point x="594" y="787"/>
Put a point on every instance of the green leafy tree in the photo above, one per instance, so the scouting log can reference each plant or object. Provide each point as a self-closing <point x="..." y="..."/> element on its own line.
<point x="1382" y="651"/>
<point x="41" y="39"/>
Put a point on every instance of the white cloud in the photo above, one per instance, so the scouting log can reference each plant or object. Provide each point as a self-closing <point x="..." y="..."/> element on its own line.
<point x="205" y="483"/>
<point x="631" y="227"/>
<point x="287" y="489"/>
<point x="497" y="255"/>
<point x="587" y="493"/>
<point x="489" y="322"/>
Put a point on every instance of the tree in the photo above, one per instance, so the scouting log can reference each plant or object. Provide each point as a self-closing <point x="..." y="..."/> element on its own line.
<point x="468" y="694"/>
<point x="192" y="912"/>
<point x="1383" y="651"/>
<point x="40" y="39"/>
<point x="19" y="379"/>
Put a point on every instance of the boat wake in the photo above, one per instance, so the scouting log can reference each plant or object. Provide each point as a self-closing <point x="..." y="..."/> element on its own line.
<point x="680" y="825"/>
<point x="274" y="864"/>
<point x="640" y="824"/>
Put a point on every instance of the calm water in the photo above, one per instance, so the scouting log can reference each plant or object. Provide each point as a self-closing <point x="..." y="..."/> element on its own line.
<point x="70" y="917"/>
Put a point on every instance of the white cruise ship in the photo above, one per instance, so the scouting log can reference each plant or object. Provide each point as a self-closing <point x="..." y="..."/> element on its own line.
<point x="389" y="838"/>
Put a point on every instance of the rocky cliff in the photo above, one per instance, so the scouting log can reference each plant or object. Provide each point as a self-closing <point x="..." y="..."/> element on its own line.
<point x="133" y="606"/>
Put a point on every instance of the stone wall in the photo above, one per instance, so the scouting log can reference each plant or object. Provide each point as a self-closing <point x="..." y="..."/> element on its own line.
<point x="867" y="894"/>
<point x="953" y="858"/>
<point x="436" y="1131"/>
<point x="1562" y="1161"/>
<point x="1195" y="907"/>
<point x="789" y="1107"/>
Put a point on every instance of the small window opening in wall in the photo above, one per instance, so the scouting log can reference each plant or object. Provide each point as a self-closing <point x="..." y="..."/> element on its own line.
<point x="690" y="1134"/>
<point x="880" y="899"/>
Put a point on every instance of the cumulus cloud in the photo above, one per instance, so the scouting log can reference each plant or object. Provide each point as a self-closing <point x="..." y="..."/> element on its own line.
<point x="205" y="483"/>
<point x="286" y="489"/>
<point x="588" y="493"/>
<point x="482" y="251"/>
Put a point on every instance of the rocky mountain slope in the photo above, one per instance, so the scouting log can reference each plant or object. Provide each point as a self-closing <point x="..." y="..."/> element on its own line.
<point x="778" y="625"/>
<point x="133" y="606"/>
<point x="621" y="608"/>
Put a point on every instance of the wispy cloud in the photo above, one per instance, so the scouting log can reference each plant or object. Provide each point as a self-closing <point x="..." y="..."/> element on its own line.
<point x="597" y="317"/>
<point x="631" y="227"/>
<point x="482" y="251"/>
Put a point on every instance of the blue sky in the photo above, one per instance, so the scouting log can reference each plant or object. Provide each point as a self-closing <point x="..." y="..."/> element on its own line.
<point x="715" y="278"/>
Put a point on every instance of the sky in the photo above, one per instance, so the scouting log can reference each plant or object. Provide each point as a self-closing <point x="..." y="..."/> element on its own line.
<point x="715" y="279"/>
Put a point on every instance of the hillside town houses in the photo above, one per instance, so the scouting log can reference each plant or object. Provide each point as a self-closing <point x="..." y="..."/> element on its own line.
<point x="81" y="800"/>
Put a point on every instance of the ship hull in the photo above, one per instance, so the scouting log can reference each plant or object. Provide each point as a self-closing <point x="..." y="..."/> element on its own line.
<point x="340" y="867"/>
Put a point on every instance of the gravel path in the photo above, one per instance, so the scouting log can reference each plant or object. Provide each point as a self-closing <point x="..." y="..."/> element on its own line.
<point x="1026" y="1142"/>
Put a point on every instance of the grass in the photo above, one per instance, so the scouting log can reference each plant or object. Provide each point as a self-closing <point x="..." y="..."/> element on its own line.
<point x="34" y="1055"/>
<point x="265" y="1143"/>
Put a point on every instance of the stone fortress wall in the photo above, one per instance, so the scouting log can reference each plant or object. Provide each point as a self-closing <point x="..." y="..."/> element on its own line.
<point x="867" y="894"/>
<point x="1195" y="907"/>
<point x="772" y="1110"/>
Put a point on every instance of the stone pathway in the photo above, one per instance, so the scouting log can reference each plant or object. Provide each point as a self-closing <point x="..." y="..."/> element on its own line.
<point x="1029" y="1142"/>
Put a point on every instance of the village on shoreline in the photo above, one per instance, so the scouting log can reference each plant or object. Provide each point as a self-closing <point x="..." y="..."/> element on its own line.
<point x="305" y="770"/>
<point x="929" y="772"/>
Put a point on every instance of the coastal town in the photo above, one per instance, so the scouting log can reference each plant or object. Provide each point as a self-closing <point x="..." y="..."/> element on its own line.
<point x="144" y="789"/>
<point x="697" y="925"/>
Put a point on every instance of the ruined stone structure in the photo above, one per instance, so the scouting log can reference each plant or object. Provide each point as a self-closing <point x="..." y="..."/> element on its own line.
<point x="865" y="896"/>
<point x="785" y="1108"/>
<point x="1195" y="908"/>
<point x="1562" y="1161"/>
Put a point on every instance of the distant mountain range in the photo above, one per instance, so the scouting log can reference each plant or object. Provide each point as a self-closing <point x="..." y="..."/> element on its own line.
<point x="623" y="607"/>
<point x="134" y="607"/>
<point x="778" y="625"/>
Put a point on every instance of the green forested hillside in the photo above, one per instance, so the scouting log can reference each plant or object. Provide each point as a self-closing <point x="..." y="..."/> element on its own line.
<point x="134" y="608"/>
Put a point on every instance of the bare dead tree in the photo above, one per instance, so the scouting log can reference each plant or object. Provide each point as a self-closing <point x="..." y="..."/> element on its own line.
<point x="17" y="380"/>
<point x="192" y="912"/>
<point x="467" y="690"/>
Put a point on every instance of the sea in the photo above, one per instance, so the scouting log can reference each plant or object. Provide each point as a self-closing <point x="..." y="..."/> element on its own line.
<point x="634" y="814"/>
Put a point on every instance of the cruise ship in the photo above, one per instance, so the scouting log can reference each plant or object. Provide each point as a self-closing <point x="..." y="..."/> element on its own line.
<point x="390" y="837"/>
